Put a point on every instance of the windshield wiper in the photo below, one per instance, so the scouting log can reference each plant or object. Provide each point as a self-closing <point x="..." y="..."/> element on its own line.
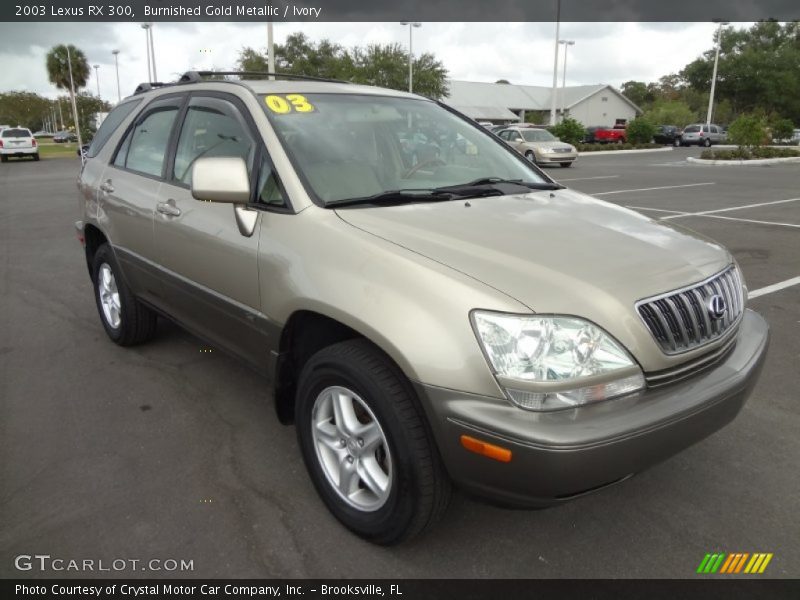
<point x="396" y="197"/>
<point x="533" y="185"/>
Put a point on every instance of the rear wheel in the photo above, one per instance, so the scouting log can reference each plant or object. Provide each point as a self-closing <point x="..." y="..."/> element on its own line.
<point x="677" y="142"/>
<point x="4" y="158"/>
<point x="366" y="445"/>
<point x="126" y="320"/>
<point x="706" y="142"/>
<point x="36" y="156"/>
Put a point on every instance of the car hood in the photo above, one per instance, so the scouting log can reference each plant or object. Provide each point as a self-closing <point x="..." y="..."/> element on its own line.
<point x="558" y="252"/>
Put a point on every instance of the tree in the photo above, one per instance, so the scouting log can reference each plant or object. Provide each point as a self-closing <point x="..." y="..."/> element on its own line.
<point x="757" y="69"/>
<point x="61" y="62"/>
<point x="670" y="112"/>
<point x="381" y="65"/>
<point x="24" y="108"/>
<point x="638" y="92"/>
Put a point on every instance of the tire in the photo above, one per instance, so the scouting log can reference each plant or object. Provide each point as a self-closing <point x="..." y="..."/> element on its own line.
<point x="4" y="158"/>
<point x="677" y="142"/>
<point x="409" y="489"/>
<point x="566" y="165"/>
<point x="126" y="320"/>
<point x="36" y="157"/>
<point x="531" y="156"/>
<point x="706" y="142"/>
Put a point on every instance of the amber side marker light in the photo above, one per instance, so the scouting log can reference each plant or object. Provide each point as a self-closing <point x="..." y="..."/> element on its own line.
<point x="486" y="449"/>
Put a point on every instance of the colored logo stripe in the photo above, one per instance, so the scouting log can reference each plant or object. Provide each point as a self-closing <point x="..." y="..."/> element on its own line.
<point x="734" y="562"/>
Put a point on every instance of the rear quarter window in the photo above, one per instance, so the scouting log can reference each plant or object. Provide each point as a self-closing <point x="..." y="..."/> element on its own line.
<point x="109" y="126"/>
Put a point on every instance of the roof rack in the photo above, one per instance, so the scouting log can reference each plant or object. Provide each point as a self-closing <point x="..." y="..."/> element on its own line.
<point x="195" y="76"/>
<point x="146" y="87"/>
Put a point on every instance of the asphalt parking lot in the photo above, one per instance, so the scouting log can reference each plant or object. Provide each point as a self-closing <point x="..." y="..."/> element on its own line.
<point x="166" y="451"/>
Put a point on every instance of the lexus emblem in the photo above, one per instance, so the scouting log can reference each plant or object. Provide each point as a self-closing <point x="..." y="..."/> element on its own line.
<point x="716" y="306"/>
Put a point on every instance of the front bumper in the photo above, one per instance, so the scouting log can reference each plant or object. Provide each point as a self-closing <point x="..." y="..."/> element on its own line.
<point x="563" y="454"/>
<point x="556" y="158"/>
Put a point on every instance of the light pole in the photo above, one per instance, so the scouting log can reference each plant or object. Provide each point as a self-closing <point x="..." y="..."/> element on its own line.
<point x="97" y="78"/>
<point x="153" y="52"/>
<point x="74" y="105"/>
<point x="116" y="65"/>
<point x="146" y="28"/>
<point x="714" y="75"/>
<point x="270" y="50"/>
<point x="411" y="25"/>
<point x="555" y="66"/>
<point x="567" y="44"/>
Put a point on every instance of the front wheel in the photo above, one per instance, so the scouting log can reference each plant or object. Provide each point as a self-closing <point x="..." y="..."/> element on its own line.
<point x="531" y="156"/>
<point x="566" y="164"/>
<point x="366" y="445"/>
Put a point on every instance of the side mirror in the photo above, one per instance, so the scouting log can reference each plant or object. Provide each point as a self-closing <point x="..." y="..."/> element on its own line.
<point x="221" y="179"/>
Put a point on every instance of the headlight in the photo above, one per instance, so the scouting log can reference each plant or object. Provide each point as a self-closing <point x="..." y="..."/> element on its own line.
<point x="548" y="363"/>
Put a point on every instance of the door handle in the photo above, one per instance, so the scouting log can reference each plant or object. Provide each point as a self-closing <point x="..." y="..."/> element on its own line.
<point x="107" y="187"/>
<point x="168" y="208"/>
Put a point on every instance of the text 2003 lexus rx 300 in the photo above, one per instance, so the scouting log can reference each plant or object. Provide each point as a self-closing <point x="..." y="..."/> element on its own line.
<point x="431" y="309"/>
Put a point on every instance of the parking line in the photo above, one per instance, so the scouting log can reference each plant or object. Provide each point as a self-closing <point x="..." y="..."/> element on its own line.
<point x="664" y="210"/>
<point x="587" y="178"/>
<point x="664" y="187"/>
<point x="775" y="287"/>
<point x="719" y="210"/>
<point x="747" y="220"/>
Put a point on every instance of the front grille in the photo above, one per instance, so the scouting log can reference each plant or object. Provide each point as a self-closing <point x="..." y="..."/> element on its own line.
<point x="681" y="320"/>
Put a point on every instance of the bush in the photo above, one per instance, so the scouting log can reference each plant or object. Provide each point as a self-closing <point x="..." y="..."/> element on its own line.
<point x="569" y="131"/>
<point x="610" y="147"/>
<point x="748" y="131"/>
<point x="640" y="131"/>
<point x="749" y="153"/>
<point x="782" y="129"/>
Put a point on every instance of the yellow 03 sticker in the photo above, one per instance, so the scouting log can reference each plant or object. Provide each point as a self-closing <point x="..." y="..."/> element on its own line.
<point x="283" y="105"/>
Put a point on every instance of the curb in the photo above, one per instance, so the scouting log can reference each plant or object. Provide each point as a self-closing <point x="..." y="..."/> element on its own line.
<point x="640" y="151"/>
<point x="756" y="162"/>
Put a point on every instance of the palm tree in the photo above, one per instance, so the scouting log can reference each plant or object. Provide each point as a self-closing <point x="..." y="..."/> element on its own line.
<point x="58" y="69"/>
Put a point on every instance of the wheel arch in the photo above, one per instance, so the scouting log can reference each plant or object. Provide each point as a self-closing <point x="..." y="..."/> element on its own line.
<point x="93" y="239"/>
<point x="306" y="332"/>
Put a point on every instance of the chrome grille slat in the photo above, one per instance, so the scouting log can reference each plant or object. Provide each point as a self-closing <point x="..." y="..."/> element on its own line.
<point x="680" y="320"/>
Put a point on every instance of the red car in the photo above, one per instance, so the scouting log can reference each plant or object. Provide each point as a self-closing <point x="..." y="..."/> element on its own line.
<point x="610" y="135"/>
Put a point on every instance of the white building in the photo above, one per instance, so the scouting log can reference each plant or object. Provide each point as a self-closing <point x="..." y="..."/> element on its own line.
<point x="501" y="103"/>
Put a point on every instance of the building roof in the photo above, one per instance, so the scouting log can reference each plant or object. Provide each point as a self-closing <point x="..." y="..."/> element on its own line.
<point x="502" y="98"/>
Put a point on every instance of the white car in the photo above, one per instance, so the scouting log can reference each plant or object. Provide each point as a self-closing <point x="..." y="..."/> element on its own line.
<point x="19" y="142"/>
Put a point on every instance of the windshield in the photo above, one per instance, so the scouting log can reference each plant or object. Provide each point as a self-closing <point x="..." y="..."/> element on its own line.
<point x="348" y="146"/>
<point x="538" y="135"/>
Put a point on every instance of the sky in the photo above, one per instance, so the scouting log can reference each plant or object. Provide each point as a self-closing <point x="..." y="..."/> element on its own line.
<point x="609" y="53"/>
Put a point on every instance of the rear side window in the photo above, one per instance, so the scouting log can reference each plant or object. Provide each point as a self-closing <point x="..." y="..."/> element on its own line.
<point x="145" y="146"/>
<point x="109" y="126"/>
<point x="8" y="133"/>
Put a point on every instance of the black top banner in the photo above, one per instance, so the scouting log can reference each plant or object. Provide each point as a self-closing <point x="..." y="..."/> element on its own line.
<point x="392" y="10"/>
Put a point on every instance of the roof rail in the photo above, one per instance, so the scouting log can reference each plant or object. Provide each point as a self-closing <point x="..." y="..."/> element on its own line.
<point x="195" y="76"/>
<point x="147" y="86"/>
